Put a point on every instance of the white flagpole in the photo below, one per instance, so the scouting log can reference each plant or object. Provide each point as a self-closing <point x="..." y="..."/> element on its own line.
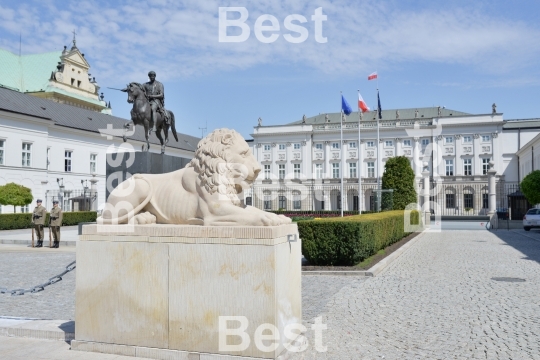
<point x="341" y="160"/>
<point x="359" y="148"/>
<point x="378" y="153"/>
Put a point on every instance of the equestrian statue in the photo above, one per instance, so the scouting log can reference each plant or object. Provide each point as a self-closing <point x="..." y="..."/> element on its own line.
<point x="148" y="101"/>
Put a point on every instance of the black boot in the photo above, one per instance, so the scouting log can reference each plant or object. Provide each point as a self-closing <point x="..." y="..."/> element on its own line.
<point x="56" y="244"/>
<point x="39" y="243"/>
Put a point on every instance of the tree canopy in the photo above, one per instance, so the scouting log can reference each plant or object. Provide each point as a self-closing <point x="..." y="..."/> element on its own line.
<point x="530" y="187"/>
<point x="399" y="175"/>
<point x="16" y="195"/>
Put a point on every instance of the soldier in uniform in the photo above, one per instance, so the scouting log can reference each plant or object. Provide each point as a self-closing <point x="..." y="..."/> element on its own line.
<point x="56" y="222"/>
<point x="38" y="219"/>
<point x="156" y="95"/>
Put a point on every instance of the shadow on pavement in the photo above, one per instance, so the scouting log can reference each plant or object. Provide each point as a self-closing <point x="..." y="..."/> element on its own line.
<point x="527" y="243"/>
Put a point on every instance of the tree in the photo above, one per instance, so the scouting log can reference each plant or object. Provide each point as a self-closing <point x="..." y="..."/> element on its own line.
<point x="16" y="195"/>
<point x="530" y="187"/>
<point x="399" y="175"/>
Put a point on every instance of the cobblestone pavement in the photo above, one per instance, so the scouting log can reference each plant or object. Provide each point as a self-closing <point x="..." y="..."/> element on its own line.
<point x="23" y="267"/>
<point x="438" y="301"/>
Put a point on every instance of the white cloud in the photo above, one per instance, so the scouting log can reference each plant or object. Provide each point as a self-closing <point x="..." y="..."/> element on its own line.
<point x="180" y="39"/>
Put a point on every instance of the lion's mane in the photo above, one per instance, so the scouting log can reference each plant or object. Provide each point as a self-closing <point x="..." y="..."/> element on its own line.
<point x="212" y="163"/>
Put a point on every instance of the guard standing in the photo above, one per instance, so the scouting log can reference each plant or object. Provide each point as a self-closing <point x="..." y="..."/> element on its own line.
<point x="56" y="222"/>
<point x="38" y="219"/>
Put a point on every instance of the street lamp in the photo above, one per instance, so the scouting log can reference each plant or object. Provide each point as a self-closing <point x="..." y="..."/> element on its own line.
<point x="84" y="183"/>
<point x="60" y="182"/>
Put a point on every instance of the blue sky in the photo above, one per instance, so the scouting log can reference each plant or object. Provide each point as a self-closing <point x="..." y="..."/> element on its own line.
<point x="459" y="54"/>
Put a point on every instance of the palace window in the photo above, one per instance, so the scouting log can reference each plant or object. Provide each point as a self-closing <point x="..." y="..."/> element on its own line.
<point x="282" y="202"/>
<point x="267" y="202"/>
<point x="281" y="146"/>
<point x="352" y="145"/>
<point x="450" y="201"/>
<point x="66" y="203"/>
<point x="485" y="165"/>
<point x="449" y="140"/>
<point x="318" y="146"/>
<point x="249" y="201"/>
<point x="352" y="170"/>
<point x="467" y="139"/>
<point x="26" y="154"/>
<point x="296" y="146"/>
<point x="93" y="161"/>
<point x="371" y="169"/>
<point x="388" y="143"/>
<point x="485" y="138"/>
<point x="67" y="161"/>
<point x="281" y="171"/>
<point x="266" y="172"/>
<point x="297" y="171"/>
<point x="467" y="167"/>
<point x="468" y="202"/>
<point x="425" y="142"/>
<point x="318" y="171"/>
<point x="335" y="170"/>
<point x="335" y="146"/>
<point x="297" y="202"/>
<point x="2" y="142"/>
<point x="485" y="201"/>
<point x="370" y="144"/>
<point x="338" y="200"/>
<point x="449" y="167"/>
<point x="267" y="147"/>
<point x="406" y="142"/>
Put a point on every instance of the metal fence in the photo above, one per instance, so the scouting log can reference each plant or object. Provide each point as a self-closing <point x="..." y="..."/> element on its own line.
<point x="317" y="197"/>
<point x="511" y="203"/>
<point x="72" y="200"/>
<point x="456" y="199"/>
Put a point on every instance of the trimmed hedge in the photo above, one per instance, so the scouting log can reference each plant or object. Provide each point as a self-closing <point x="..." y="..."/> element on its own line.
<point x="24" y="220"/>
<point x="348" y="241"/>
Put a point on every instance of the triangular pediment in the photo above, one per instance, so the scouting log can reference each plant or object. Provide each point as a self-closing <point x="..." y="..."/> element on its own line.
<point x="75" y="57"/>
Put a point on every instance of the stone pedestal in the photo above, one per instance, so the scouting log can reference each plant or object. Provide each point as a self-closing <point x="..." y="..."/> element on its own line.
<point x="158" y="291"/>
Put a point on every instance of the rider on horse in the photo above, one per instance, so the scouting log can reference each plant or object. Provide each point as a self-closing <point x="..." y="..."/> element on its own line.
<point x="156" y="96"/>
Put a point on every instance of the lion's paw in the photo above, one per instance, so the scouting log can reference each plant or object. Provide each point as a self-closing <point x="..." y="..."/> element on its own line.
<point x="144" y="218"/>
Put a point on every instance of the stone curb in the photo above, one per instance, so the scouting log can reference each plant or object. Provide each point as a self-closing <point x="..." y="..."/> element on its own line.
<point x="45" y="242"/>
<point x="39" y="329"/>
<point x="375" y="269"/>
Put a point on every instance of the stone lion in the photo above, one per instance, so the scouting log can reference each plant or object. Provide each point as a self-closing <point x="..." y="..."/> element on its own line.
<point x="205" y="192"/>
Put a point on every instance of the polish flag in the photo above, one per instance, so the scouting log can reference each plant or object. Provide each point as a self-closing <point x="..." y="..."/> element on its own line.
<point x="372" y="76"/>
<point x="362" y="104"/>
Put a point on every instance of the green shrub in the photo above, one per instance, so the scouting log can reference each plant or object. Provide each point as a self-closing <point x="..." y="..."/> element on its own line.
<point x="530" y="186"/>
<point x="348" y="241"/>
<point x="24" y="221"/>
<point x="398" y="175"/>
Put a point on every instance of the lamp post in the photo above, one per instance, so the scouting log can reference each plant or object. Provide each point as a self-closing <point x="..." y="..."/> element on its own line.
<point x="84" y="183"/>
<point x="60" y="182"/>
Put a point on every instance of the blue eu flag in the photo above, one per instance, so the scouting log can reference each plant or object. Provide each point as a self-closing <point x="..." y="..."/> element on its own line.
<point x="345" y="106"/>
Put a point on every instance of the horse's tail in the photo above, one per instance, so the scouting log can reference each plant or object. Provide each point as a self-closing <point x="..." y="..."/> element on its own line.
<point x="173" y="128"/>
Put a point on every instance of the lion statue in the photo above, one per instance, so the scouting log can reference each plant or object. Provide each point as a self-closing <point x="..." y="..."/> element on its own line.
<point x="205" y="192"/>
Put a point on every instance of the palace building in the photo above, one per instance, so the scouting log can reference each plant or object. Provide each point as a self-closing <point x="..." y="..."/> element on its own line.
<point x="303" y="161"/>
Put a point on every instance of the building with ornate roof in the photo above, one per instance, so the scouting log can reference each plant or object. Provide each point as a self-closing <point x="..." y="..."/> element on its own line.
<point x="62" y="77"/>
<point x="56" y="131"/>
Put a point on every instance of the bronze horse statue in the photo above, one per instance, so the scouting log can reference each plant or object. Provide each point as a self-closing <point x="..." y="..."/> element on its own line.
<point x="141" y="114"/>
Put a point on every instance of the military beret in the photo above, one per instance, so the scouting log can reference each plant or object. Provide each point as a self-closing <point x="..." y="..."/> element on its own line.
<point x="55" y="202"/>
<point x="39" y="200"/>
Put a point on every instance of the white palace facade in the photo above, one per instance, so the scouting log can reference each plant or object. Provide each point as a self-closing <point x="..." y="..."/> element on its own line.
<point x="303" y="162"/>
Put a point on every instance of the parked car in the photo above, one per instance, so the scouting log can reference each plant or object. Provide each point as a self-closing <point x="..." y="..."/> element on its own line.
<point x="531" y="219"/>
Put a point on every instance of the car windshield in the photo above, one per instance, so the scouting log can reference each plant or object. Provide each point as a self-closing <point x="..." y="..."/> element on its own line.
<point x="533" y="212"/>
